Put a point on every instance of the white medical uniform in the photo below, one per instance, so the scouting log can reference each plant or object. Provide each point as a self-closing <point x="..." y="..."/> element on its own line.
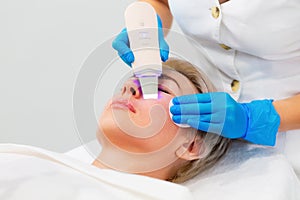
<point x="254" y="45"/>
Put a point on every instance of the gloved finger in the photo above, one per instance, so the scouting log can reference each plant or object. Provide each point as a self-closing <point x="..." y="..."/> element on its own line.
<point x="192" y="98"/>
<point x="197" y="124"/>
<point x="183" y="119"/>
<point x="210" y="117"/>
<point x="205" y="126"/>
<point x="121" y="44"/>
<point x="164" y="50"/>
<point x="191" y="109"/>
<point x="128" y="58"/>
<point x="163" y="45"/>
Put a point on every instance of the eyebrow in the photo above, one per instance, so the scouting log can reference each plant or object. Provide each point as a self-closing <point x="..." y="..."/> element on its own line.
<point x="164" y="76"/>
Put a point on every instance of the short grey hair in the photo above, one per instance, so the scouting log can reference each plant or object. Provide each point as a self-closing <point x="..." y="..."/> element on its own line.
<point x="219" y="144"/>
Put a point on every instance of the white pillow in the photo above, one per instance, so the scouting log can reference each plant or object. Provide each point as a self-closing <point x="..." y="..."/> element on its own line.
<point x="246" y="172"/>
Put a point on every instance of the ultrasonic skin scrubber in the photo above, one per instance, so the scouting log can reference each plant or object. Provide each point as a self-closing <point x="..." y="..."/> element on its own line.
<point x="142" y="29"/>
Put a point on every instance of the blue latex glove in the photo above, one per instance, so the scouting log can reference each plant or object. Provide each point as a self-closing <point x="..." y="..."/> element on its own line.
<point x="218" y="113"/>
<point x="121" y="44"/>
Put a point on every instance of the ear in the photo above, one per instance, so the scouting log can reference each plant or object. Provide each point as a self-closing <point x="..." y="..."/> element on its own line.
<point x="191" y="151"/>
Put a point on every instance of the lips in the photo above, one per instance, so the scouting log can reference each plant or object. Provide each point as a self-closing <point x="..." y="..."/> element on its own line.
<point x="123" y="104"/>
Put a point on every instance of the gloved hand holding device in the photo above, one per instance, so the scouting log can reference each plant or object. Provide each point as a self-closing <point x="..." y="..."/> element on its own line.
<point x="219" y="113"/>
<point x="121" y="44"/>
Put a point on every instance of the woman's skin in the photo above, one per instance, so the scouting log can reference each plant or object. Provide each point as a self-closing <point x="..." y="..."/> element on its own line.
<point x="130" y="105"/>
<point x="288" y="109"/>
<point x="289" y="112"/>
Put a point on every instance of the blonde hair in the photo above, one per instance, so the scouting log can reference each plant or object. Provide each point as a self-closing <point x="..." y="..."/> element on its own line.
<point x="220" y="145"/>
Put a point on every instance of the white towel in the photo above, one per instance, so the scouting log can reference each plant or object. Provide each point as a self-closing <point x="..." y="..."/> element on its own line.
<point x="31" y="173"/>
<point x="246" y="172"/>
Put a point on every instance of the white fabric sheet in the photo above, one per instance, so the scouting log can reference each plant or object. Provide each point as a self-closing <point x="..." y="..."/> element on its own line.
<point x="31" y="173"/>
<point x="247" y="172"/>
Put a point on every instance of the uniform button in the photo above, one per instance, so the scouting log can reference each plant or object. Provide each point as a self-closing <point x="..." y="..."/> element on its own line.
<point x="215" y="12"/>
<point x="225" y="47"/>
<point x="235" y="85"/>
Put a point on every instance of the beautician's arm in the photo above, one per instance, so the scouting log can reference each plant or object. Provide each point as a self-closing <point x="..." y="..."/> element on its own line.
<point x="289" y="112"/>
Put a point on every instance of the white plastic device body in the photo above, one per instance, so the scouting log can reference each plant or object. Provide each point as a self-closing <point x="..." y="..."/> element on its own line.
<point x="142" y="29"/>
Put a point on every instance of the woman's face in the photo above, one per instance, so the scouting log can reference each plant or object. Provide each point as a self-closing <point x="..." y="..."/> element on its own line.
<point x="139" y="125"/>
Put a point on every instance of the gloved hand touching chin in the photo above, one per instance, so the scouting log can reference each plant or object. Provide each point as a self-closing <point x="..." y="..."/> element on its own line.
<point x="121" y="44"/>
<point x="219" y="113"/>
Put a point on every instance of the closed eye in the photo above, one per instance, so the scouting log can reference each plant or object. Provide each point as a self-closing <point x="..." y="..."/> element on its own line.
<point x="164" y="91"/>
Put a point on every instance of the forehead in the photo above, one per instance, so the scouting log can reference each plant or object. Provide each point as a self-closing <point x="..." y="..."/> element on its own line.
<point x="185" y="85"/>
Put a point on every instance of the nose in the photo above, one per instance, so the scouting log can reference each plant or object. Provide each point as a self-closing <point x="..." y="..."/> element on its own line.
<point x="131" y="88"/>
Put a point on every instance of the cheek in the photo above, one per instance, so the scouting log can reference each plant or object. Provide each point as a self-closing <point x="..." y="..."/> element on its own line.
<point x="170" y="129"/>
<point x="165" y="136"/>
<point x="111" y="134"/>
<point x="143" y="116"/>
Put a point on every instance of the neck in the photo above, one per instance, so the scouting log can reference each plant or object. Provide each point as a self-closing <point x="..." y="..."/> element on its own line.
<point x="163" y="173"/>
